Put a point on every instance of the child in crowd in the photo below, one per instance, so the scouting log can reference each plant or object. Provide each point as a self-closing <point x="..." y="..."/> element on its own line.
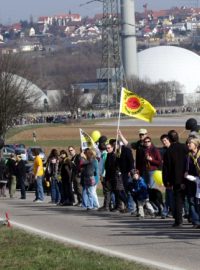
<point x="140" y="195"/>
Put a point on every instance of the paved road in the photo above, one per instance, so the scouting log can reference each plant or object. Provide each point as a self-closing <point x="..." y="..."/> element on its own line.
<point x="150" y="240"/>
<point x="176" y="121"/>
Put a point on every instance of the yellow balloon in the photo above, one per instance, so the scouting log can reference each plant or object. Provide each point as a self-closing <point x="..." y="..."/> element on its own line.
<point x="95" y="135"/>
<point x="157" y="177"/>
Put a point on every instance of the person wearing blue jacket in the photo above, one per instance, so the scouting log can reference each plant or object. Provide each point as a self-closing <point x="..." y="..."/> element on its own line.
<point x="140" y="194"/>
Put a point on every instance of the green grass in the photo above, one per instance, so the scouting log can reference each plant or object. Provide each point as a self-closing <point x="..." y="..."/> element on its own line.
<point x="48" y="143"/>
<point x="13" y="131"/>
<point x="24" y="251"/>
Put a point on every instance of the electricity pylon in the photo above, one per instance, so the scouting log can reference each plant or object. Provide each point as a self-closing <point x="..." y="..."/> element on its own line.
<point x="111" y="65"/>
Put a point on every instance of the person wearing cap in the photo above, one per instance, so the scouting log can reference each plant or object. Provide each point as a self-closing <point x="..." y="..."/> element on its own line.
<point x="138" y="146"/>
<point x="21" y="175"/>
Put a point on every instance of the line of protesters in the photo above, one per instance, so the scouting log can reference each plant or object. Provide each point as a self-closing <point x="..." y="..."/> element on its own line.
<point x="128" y="185"/>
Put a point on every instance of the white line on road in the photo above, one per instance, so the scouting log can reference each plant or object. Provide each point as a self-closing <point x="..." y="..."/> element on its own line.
<point x="102" y="250"/>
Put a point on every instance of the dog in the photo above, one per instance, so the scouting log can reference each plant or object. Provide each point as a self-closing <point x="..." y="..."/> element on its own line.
<point x="156" y="199"/>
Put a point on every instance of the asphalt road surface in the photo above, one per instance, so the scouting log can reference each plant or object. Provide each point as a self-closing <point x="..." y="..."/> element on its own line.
<point x="172" y="120"/>
<point x="152" y="241"/>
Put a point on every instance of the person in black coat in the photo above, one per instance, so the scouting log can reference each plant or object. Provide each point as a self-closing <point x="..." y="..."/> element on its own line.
<point x="11" y="174"/>
<point x="173" y="173"/>
<point x="113" y="178"/>
<point x="21" y="175"/>
<point x="126" y="165"/>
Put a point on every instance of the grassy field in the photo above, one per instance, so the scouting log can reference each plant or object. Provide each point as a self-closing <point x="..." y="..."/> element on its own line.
<point x="24" y="251"/>
<point x="61" y="136"/>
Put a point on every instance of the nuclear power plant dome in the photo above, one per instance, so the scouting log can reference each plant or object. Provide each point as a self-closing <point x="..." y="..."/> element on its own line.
<point x="170" y="63"/>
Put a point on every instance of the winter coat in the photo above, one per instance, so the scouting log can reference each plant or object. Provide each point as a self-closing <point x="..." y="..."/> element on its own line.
<point x="156" y="162"/>
<point x="175" y="164"/>
<point x="65" y="169"/>
<point x="139" y="189"/>
<point x="113" y="174"/>
<point x="21" y="169"/>
<point x="126" y="160"/>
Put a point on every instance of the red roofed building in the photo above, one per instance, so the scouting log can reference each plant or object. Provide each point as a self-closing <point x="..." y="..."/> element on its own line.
<point x="60" y="19"/>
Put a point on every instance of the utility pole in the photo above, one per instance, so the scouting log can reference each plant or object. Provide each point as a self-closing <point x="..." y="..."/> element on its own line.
<point x="111" y="51"/>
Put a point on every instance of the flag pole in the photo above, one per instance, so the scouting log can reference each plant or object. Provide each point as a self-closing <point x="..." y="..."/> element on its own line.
<point x="119" y="118"/>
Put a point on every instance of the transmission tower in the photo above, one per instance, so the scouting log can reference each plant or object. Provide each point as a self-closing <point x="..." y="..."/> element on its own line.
<point x="110" y="70"/>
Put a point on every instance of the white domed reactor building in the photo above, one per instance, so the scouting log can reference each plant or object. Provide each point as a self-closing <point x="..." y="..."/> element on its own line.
<point x="170" y="63"/>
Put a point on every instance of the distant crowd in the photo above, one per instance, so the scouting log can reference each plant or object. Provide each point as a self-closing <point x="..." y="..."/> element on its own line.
<point x="129" y="173"/>
<point x="67" y="117"/>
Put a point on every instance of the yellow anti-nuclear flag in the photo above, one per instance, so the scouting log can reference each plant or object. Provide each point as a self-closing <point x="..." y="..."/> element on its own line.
<point x="86" y="140"/>
<point x="135" y="106"/>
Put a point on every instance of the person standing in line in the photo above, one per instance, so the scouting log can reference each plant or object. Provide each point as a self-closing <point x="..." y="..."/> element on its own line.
<point x="52" y="169"/>
<point x="113" y="179"/>
<point x="126" y="165"/>
<point x="192" y="180"/>
<point x="89" y="201"/>
<point x="38" y="172"/>
<point x="21" y="175"/>
<point x="138" y="146"/>
<point x="76" y="174"/>
<point x="175" y="167"/>
<point x="102" y="160"/>
<point x="11" y="173"/>
<point x="3" y="181"/>
<point x="151" y="162"/>
<point x="169" y="202"/>
<point x="65" y="165"/>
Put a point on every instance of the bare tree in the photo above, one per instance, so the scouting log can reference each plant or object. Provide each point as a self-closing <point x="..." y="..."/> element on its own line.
<point x="72" y="99"/>
<point x="159" y="94"/>
<point x="16" y="96"/>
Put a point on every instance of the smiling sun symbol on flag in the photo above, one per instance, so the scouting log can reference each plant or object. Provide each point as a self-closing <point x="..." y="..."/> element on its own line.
<point x="133" y="103"/>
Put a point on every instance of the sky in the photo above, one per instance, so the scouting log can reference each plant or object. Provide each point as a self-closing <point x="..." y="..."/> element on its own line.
<point x="14" y="10"/>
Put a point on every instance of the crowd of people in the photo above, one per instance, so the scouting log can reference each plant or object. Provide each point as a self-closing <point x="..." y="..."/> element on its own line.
<point x="126" y="172"/>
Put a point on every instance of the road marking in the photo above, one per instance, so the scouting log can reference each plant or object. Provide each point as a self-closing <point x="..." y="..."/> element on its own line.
<point x="102" y="250"/>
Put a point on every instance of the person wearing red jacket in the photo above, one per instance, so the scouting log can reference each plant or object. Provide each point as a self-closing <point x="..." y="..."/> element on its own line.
<point x="151" y="161"/>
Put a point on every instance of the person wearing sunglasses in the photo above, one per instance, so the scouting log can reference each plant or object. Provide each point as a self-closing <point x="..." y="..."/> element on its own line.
<point x="151" y="162"/>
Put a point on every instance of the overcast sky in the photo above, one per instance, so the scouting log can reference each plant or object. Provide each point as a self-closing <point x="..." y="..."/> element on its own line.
<point x="14" y="10"/>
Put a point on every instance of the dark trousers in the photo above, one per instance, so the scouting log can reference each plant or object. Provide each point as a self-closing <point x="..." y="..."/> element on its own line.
<point x="178" y="205"/>
<point x="120" y="195"/>
<point x="77" y="188"/>
<point x="68" y="194"/>
<point x="107" y="189"/>
<point x="22" y="187"/>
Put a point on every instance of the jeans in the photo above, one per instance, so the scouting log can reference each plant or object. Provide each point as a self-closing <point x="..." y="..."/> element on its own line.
<point x="55" y="192"/>
<point x="193" y="210"/>
<point x="87" y="197"/>
<point x="130" y="203"/>
<point x="148" y="177"/>
<point x="39" y="191"/>
<point x="95" y="198"/>
<point x="169" y="202"/>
